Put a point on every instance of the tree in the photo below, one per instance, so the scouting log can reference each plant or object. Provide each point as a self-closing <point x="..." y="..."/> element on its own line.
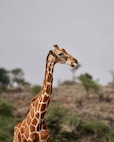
<point x="4" y="79"/>
<point x="89" y="83"/>
<point x="17" y="76"/>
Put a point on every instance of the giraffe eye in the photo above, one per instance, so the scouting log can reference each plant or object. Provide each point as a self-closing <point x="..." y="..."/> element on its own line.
<point x="60" y="54"/>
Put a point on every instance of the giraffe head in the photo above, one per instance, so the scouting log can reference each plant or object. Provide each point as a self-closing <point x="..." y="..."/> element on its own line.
<point x="63" y="57"/>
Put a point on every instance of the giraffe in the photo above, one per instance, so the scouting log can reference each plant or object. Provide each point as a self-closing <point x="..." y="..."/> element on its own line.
<point x="33" y="128"/>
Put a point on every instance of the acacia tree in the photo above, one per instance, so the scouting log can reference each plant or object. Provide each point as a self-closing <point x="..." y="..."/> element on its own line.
<point x="17" y="76"/>
<point x="4" y="79"/>
<point x="89" y="83"/>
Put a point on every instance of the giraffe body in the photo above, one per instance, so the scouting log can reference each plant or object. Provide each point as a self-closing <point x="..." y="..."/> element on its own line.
<point x="33" y="128"/>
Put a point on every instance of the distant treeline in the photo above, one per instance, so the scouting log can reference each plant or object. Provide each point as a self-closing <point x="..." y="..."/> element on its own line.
<point x="11" y="78"/>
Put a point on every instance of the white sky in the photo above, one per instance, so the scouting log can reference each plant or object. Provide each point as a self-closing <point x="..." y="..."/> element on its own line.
<point x="85" y="28"/>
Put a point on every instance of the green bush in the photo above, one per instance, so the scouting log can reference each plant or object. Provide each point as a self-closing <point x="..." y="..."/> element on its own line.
<point x="7" y="121"/>
<point x="111" y="137"/>
<point x="93" y="127"/>
<point x="35" y="89"/>
<point x="88" y="83"/>
<point x="5" y="108"/>
<point x="54" y="119"/>
<point x="69" y="128"/>
<point x="97" y="130"/>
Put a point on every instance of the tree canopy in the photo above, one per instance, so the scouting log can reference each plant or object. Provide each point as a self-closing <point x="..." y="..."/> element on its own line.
<point x="11" y="77"/>
<point x="4" y="79"/>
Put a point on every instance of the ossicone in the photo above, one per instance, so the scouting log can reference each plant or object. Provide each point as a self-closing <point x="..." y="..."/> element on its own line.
<point x="56" y="46"/>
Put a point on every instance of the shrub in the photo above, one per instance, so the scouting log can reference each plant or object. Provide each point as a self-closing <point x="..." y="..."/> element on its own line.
<point x="111" y="137"/>
<point x="35" y="89"/>
<point x="54" y="118"/>
<point x="93" y="127"/>
<point x="7" y="121"/>
<point x="69" y="128"/>
<point x="97" y="130"/>
<point x="5" y="108"/>
<point x="88" y="83"/>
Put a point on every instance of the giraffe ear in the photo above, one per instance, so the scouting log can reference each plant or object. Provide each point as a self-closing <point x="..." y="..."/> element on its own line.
<point x="56" y="46"/>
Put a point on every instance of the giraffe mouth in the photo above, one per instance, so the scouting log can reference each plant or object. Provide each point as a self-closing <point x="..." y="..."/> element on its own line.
<point x="74" y="63"/>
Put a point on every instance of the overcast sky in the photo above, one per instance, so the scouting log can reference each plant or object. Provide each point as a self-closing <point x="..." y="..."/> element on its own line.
<point x="85" y="28"/>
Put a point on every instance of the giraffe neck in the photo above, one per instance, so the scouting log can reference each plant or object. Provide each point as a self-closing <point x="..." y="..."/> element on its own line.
<point x="48" y="79"/>
<point x="40" y="102"/>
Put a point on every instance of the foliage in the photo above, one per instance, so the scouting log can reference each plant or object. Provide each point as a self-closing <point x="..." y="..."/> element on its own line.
<point x="7" y="121"/>
<point x="17" y="73"/>
<point x="93" y="127"/>
<point x="69" y="128"/>
<point x="4" y="79"/>
<point x="82" y="129"/>
<point x="9" y="78"/>
<point x="111" y="137"/>
<point x="17" y="76"/>
<point x="35" y="89"/>
<point x="5" y="108"/>
<point x="88" y="83"/>
<point x="54" y="119"/>
<point x="21" y="82"/>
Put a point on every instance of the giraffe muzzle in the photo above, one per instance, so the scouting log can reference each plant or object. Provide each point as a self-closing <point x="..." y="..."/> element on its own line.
<point x="74" y="62"/>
